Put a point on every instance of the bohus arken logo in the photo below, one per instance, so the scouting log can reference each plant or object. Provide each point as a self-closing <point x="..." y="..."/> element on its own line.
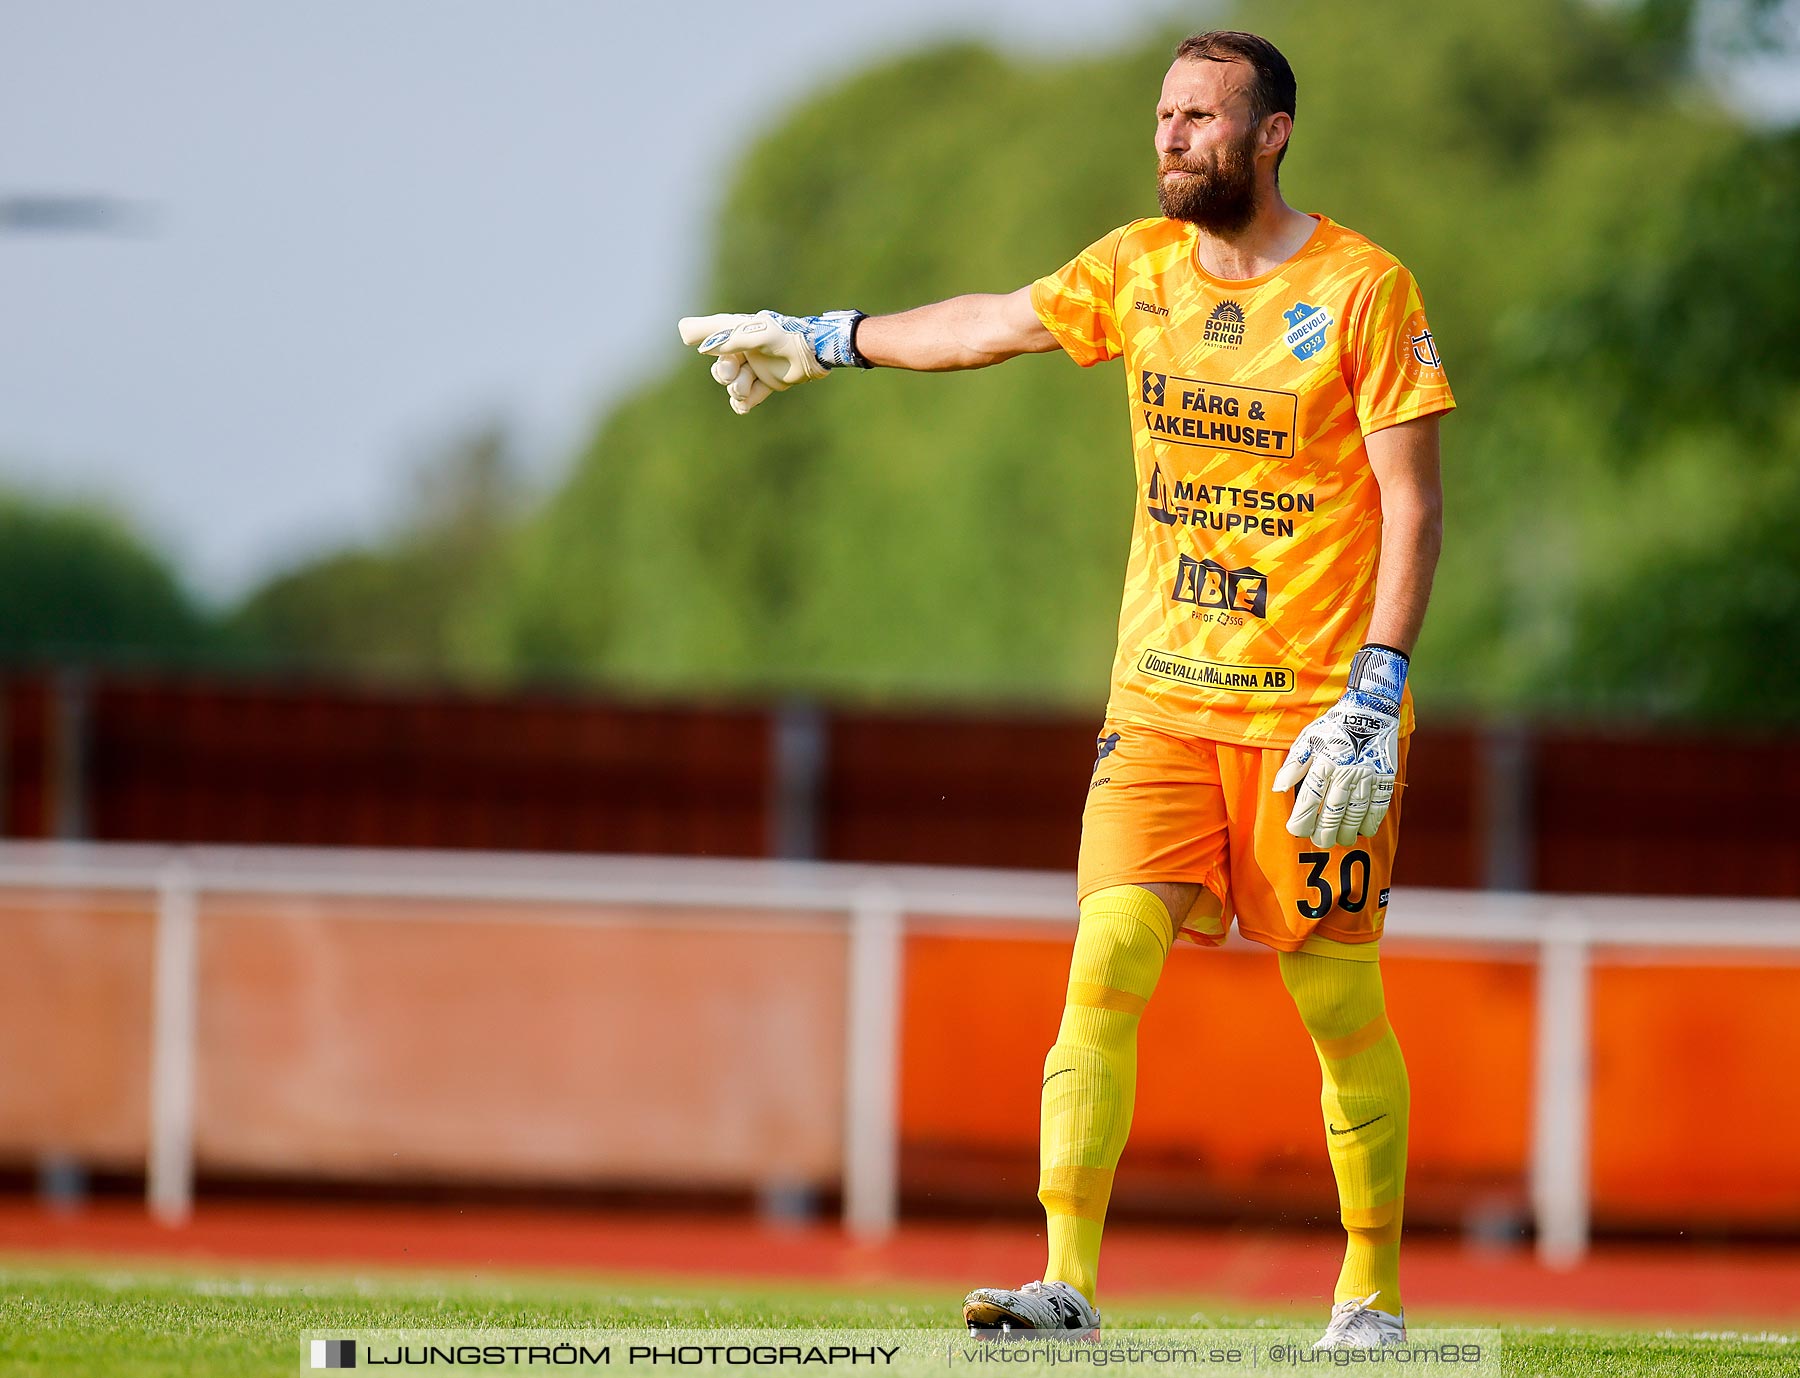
<point x="1225" y="327"/>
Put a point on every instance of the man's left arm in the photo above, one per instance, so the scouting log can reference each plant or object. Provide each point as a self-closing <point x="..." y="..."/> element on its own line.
<point x="1345" y="763"/>
<point x="1405" y="461"/>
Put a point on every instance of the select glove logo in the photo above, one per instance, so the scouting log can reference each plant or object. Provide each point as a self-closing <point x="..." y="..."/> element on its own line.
<point x="334" y="1353"/>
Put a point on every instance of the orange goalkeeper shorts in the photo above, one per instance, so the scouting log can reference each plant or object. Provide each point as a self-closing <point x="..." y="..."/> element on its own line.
<point x="1167" y="808"/>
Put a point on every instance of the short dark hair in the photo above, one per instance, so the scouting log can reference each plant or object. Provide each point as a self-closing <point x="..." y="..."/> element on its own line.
<point x="1271" y="91"/>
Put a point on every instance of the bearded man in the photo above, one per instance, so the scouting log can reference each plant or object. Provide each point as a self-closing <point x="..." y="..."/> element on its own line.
<point x="1285" y="392"/>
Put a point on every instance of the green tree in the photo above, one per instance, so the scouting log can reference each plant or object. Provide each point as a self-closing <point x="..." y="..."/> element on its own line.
<point x="1686" y="343"/>
<point x="964" y="536"/>
<point x="1613" y="277"/>
<point x="888" y="534"/>
<point x="77" y="583"/>
<point x="409" y="607"/>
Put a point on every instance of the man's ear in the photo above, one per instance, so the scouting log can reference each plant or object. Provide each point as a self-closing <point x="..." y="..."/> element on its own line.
<point x="1276" y="131"/>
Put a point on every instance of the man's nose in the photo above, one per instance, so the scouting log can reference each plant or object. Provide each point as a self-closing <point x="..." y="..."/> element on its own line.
<point x="1169" y="139"/>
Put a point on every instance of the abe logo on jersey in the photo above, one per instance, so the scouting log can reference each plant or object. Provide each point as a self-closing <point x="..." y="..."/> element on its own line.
<point x="1307" y="325"/>
<point x="1209" y="584"/>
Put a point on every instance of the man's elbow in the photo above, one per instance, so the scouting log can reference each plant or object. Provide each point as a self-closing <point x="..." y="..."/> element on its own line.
<point x="1431" y="513"/>
<point x="1420" y="515"/>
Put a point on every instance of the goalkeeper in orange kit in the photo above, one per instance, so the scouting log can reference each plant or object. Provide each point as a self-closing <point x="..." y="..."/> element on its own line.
<point x="1284" y="390"/>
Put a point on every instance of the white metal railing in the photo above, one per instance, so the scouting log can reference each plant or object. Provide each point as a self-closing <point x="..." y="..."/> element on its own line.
<point x="878" y="903"/>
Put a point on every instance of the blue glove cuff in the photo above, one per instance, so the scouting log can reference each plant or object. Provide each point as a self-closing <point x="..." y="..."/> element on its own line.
<point x="1378" y="677"/>
<point x="832" y="338"/>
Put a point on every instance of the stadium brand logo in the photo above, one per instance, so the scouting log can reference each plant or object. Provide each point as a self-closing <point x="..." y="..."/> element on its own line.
<point x="1306" y="329"/>
<point x="1225" y="327"/>
<point x="1151" y="307"/>
<point x="334" y="1353"/>
<point x="1209" y="584"/>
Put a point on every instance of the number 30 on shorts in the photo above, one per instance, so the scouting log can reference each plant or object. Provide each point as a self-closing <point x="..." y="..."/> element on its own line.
<point x="1352" y="879"/>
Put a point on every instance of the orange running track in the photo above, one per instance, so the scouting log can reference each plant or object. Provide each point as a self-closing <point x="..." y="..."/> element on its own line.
<point x="1239" y="1270"/>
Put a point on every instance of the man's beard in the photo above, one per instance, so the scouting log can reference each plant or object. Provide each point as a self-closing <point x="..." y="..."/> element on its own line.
<point x="1220" y="198"/>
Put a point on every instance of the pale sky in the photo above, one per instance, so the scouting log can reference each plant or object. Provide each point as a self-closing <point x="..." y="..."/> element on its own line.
<point x="369" y="224"/>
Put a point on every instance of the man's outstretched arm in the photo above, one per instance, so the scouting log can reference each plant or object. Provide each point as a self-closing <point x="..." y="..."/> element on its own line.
<point x="963" y="332"/>
<point x="768" y="352"/>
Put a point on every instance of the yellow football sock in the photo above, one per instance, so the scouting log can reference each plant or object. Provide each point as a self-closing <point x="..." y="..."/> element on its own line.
<point x="1090" y="1076"/>
<point x="1366" y="1101"/>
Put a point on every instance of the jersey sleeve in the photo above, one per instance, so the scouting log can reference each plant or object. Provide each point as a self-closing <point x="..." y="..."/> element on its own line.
<point x="1397" y="372"/>
<point x="1075" y="303"/>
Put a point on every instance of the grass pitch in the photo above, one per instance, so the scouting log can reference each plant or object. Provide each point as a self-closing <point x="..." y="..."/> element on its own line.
<point x="230" y="1322"/>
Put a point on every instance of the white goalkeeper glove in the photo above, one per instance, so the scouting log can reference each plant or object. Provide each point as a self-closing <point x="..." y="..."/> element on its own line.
<point x="769" y="352"/>
<point x="1346" y="761"/>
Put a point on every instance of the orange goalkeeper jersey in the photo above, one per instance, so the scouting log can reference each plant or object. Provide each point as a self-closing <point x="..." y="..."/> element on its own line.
<point x="1258" y="524"/>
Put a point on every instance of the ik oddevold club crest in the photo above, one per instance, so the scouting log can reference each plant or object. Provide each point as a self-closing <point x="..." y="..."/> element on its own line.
<point x="1306" y="329"/>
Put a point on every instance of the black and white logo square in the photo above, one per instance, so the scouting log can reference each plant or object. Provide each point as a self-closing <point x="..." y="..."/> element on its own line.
<point x="334" y="1353"/>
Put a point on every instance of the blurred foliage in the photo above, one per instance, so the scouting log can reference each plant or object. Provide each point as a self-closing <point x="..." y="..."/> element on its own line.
<point x="407" y="608"/>
<point x="77" y="583"/>
<point x="1612" y="272"/>
<point x="1614" y="279"/>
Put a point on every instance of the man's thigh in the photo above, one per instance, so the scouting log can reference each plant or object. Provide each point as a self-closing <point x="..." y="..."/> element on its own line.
<point x="1156" y="815"/>
<point x="1287" y="891"/>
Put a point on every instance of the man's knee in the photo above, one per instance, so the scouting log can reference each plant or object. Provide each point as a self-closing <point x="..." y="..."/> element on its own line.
<point x="1121" y="944"/>
<point x="1337" y="999"/>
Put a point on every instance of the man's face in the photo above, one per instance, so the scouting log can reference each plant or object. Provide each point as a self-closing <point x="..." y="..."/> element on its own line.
<point x="1206" y="145"/>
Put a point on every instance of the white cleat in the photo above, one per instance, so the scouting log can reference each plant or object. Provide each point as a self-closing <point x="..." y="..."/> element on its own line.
<point x="993" y="1313"/>
<point x="1357" y="1325"/>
